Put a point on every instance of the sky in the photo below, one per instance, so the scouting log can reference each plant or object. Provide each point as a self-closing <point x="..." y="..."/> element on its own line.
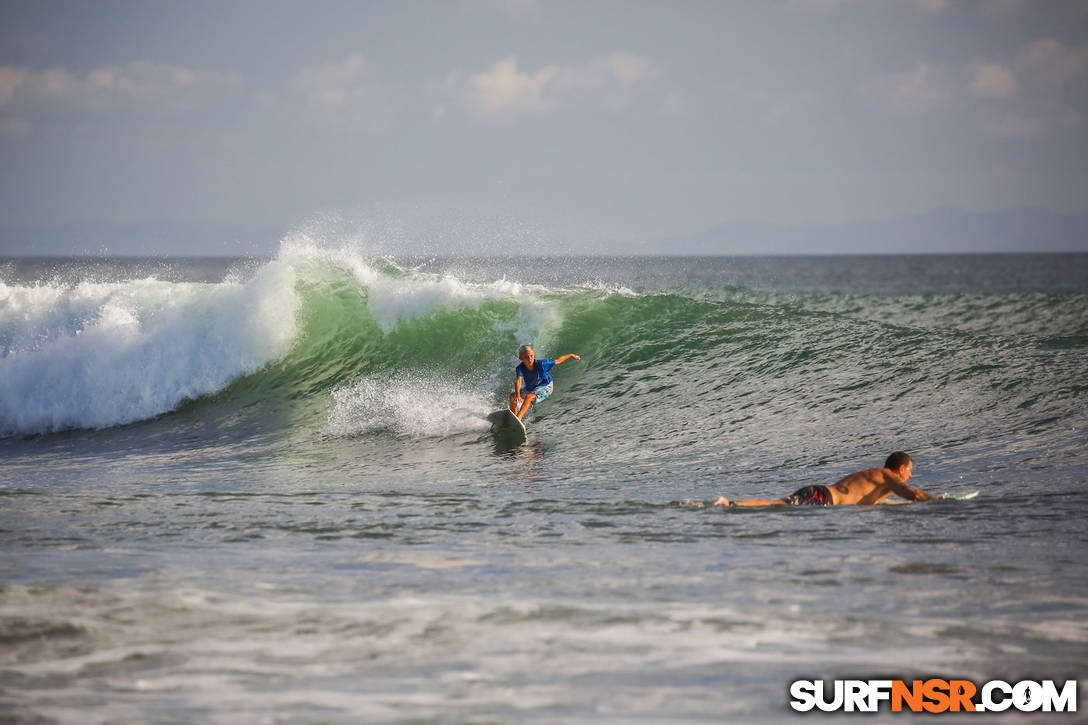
<point x="537" y="122"/>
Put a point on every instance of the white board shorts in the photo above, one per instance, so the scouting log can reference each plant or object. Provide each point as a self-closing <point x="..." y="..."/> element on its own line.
<point x="542" y="391"/>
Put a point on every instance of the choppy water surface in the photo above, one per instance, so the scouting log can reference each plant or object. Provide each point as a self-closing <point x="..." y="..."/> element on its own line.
<point x="246" y="491"/>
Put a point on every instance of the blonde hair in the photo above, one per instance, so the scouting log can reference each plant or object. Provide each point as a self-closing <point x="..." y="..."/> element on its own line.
<point x="525" y="349"/>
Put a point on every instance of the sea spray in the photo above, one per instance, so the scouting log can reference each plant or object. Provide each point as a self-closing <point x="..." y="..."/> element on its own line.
<point x="411" y="406"/>
<point x="95" y="355"/>
<point x="395" y="294"/>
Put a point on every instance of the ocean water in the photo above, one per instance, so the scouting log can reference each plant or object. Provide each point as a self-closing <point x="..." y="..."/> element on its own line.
<point x="263" y="490"/>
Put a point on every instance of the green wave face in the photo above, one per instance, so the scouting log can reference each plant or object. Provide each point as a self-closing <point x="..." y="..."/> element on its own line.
<point x="333" y="342"/>
<point x="381" y="348"/>
<point x="396" y="323"/>
<point x="387" y="320"/>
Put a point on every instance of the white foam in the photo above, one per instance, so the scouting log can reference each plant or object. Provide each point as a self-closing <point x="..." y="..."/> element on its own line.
<point x="94" y="355"/>
<point x="413" y="294"/>
<point x="408" y="406"/>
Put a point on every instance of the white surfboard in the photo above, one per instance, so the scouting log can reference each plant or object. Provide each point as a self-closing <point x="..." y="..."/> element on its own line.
<point x="507" y="426"/>
<point x="962" y="496"/>
<point x="942" y="497"/>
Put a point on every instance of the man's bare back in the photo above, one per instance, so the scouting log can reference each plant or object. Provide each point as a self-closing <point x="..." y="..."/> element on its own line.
<point x="870" y="486"/>
<point x="873" y="485"/>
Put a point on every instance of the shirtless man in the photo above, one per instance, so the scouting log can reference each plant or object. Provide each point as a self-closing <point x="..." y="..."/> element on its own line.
<point x="872" y="485"/>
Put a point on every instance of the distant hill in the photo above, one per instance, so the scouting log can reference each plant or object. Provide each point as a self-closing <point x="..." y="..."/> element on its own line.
<point x="936" y="232"/>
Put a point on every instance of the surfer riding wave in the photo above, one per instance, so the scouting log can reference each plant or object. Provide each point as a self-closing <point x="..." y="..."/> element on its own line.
<point x="532" y="377"/>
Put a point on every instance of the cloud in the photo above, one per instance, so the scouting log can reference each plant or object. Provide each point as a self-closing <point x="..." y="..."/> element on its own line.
<point x="993" y="81"/>
<point x="504" y="90"/>
<point x="1036" y="92"/>
<point x="1043" y="97"/>
<point x="343" y="95"/>
<point x="918" y="92"/>
<point x="11" y="79"/>
<point x="26" y="94"/>
<point x="1055" y="64"/>
<point x="171" y="87"/>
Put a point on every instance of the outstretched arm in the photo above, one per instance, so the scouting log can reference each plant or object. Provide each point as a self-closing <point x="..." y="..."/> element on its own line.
<point x="908" y="492"/>
<point x="564" y="358"/>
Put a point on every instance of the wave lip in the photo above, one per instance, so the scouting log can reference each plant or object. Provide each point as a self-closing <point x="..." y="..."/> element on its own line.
<point x="98" y="355"/>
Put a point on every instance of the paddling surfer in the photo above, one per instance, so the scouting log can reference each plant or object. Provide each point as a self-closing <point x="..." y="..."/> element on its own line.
<point x="870" y="486"/>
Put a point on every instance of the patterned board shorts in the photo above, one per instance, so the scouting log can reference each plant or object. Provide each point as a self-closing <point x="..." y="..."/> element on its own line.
<point x="810" y="496"/>
<point x="542" y="391"/>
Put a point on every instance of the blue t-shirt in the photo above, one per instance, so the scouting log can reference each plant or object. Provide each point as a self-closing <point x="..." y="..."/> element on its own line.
<point x="533" y="379"/>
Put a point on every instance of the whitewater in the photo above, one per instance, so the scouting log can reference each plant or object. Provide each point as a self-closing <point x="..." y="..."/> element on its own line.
<point x="239" y="490"/>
